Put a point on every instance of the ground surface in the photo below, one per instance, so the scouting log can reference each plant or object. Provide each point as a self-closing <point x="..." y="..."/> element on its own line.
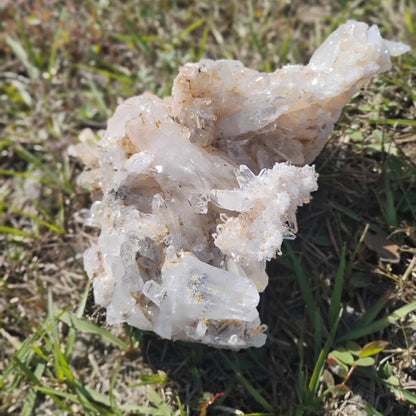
<point x="64" y="66"/>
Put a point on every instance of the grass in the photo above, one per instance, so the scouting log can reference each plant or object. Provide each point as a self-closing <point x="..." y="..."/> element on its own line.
<point x="63" y="69"/>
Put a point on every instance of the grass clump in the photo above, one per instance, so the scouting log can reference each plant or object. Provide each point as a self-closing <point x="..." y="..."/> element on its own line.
<point x="345" y="287"/>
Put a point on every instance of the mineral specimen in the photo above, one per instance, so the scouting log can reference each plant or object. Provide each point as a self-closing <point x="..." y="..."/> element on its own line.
<point x="188" y="194"/>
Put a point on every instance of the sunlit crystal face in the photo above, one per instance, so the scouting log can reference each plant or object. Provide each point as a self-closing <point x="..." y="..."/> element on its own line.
<point x="194" y="193"/>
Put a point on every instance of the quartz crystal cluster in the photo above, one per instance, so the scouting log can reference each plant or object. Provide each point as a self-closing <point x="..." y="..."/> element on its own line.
<point x="195" y="192"/>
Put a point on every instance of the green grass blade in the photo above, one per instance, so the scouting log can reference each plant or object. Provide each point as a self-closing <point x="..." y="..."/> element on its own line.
<point x="33" y="217"/>
<point x="307" y="294"/>
<point x="86" y="326"/>
<point x="180" y="405"/>
<point x="161" y="405"/>
<point x="57" y="34"/>
<point x="410" y="22"/>
<point x="23" y="57"/>
<point x="25" y="175"/>
<point x="70" y="340"/>
<point x="185" y="32"/>
<point x="372" y="312"/>
<point x="351" y="214"/>
<point x="110" y="74"/>
<point x="361" y="331"/>
<point x="53" y="340"/>
<point x="349" y="265"/>
<point x="103" y="400"/>
<point x="31" y="396"/>
<point x="408" y="395"/>
<point x="62" y="170"/>
<point x="113" y="401"/>
<point x="203" y="43"/>
<point x="15" y="231"/>
<point x="99" y="97"/>
<point x="25" y="369"/>
<point x="391" y="214"/>
<point x="396" y="388"/>
<point x="256" y="41"/>
<point x="139" y="40"/>
<point x="90" y="398"/>
<point x="52" y="223"/>
<point x="40" y="352"/>
<point x="38" y="163"/>
<point x="371" y="411"/>
<point x="249" y="387"/>
<point x="142" y="410"/>
<point x="403" y="122"/>
<point x="320" y="363"/>
<point x="335" y="304"/>
<point x="24" y="353"/>
<point x="55" y="393"/>
<point x="260" y="414"/>
<point x="36" y="58"/>
<point x="52" y="393"/>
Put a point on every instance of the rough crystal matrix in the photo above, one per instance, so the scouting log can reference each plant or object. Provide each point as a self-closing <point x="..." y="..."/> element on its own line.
<point x="188" y="194"/>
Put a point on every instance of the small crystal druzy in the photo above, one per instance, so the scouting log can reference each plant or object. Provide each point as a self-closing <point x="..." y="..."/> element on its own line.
<point x="195" y="192"/>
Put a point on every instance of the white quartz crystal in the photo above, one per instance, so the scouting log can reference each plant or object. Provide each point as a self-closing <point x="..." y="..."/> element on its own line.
<point x="188" y="194"/>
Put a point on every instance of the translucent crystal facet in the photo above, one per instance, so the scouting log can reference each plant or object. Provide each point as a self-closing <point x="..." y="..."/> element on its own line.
<point x="195" y="192"/>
